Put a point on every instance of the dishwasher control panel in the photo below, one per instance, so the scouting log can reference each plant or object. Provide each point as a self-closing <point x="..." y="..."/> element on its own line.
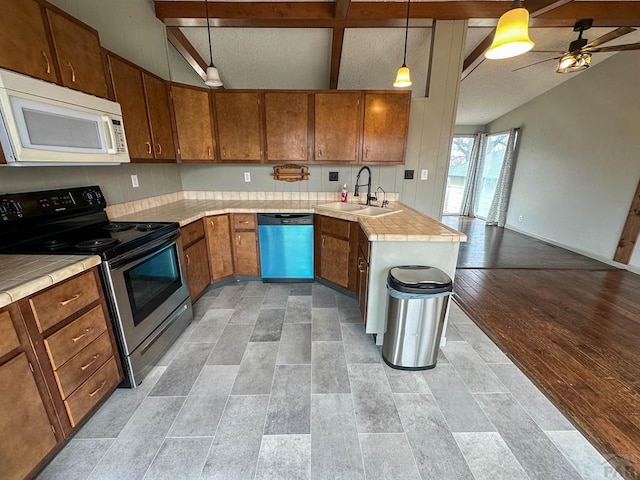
<point x="285" y="219"/>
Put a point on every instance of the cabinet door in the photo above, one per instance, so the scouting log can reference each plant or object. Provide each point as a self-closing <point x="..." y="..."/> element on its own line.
<point x="129" y="93"/>
<point x="245" y="249"/>
<point x="239" y="126"/>
<point x="386" y="122"/>
<point x="27" y="433"/>
<point x="79" y="55"/>
<point x="219" y="246"/>
<point x="23" y="40"/>
<point x="197" y="268"/>
<point x="337" y="126"/>
<point x="159" y="117"/>
<point x="286" y="126"/>
<point x="363" y="285"/>
<point x="192" y="113"/>
<point x="335" y="260"/>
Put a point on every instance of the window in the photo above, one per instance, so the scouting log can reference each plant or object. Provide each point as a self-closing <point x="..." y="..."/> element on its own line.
<point x="458" y="169"/>
<point x="491" y="166"/>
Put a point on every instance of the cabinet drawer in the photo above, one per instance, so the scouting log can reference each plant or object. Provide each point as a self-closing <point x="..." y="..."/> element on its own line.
<point x="68" y="341"/>
<point x="73" y="373"/>
<point x="92" y="391"/>
<point x="8" y="337"/>
<point x="365" y="245"/>
<point x="244" y="221"/>
<point x="335" y="227"/>
<point x="192" y="232"/>
<point x="63" y="300"/>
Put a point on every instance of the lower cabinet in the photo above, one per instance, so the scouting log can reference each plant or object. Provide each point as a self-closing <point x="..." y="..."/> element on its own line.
<point x="58" y="362"/>
<point x="245" y="245"/>
<point x="218" y="233"/>
<point x="336" y="248"/>
<point x="364" y="252"/>
<point x="196" y="258"/>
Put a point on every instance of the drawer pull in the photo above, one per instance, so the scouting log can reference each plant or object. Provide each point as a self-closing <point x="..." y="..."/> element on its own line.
<point x="188" y="259"/>
<point x="46" y="57"/>
<point x="73" y="72"/>
<point x="104" y="382"/>
<point x="148" y="148"/>
<point x="93" y="360"/>
<point x="69" y="300"/>
<point x="159" y="149"/>
<point x="86" y="331"/>
<point x="244" y="222"/>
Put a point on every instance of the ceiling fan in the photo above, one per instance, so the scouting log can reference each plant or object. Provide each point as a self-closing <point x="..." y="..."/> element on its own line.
<point x="578" y="56"/>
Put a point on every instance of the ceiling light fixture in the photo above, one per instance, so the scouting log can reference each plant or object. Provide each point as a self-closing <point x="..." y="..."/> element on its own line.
<point x="512" y="34"/>
<point x="403" y="78"/>
<point x="213" y="77"/>
<point x="571" y="62"/>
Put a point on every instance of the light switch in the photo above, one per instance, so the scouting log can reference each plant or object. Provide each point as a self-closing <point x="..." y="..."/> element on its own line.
<point x="134" y="181"/>
<point x="424" y="174"/>
<point x="247" y="177"/>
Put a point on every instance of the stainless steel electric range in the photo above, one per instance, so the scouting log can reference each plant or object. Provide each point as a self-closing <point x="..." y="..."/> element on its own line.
<point x="142" y="271"/>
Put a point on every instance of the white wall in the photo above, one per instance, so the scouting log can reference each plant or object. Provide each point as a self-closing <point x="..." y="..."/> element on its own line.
<point x="578" y="164"/>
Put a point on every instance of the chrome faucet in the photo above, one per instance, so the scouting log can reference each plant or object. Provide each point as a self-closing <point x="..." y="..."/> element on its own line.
<point x="356" y="193"/>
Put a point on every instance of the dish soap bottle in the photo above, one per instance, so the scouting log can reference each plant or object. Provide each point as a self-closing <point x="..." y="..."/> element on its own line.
<point x="344" y="194"/>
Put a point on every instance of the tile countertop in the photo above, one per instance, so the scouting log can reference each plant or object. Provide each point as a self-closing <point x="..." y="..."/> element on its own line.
<point x="24" y="275"/>
<point x="408" y="225"/>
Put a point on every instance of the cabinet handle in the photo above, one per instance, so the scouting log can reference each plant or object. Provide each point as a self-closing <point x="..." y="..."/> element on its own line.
<point x="302" y="152"/>
<point x="239" y="240"/>
<point x="93" y="360"/>
<point x="366" y="152"/>
<point x="104" y="382"/>
<point x="86" y="331"/>
<point x="244" y="221"/>
<point x="148" y="148"/>
<point x="361" y="268"/>
<point x="224" y="153"/>
<point x="159" y="149"/>
<point x="69" y="300"/>
<point x="319" y="152"/>
<point x="188" y="259"/>
<point x="73" y="72"/>
<point x="322" y="242"/>
<point x="46" y="57"/>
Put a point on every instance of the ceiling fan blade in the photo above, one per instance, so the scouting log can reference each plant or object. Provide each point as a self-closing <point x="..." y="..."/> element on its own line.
<point x="536" y="63"/>
<point x="607" y="37"/>
<point x="616" y="48"/>
<point x="561" y="52"/>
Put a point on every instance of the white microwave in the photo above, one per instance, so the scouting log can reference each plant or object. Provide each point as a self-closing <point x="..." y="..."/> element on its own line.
<point x="42" y="123"/>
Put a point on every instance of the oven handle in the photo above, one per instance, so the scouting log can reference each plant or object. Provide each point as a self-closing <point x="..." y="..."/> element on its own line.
<point x="137" y="256"/>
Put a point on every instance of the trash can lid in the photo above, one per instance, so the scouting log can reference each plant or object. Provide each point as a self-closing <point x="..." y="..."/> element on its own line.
<point x="419" y="279"/>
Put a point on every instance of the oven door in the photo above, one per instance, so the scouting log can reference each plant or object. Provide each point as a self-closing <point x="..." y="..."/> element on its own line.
<point x="147" y="287"/>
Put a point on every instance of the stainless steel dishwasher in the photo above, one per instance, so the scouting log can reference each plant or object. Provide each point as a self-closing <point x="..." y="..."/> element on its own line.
<point x="286" y="247"/>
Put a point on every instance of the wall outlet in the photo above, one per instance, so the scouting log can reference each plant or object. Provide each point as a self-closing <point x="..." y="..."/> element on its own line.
<point x="424" y="174"/>
<point x="408" y="174"/>
<point x="520" y="218"/>
<point x="333" y="176"/>
<point x="134" y="181"/>
<point x="247" y="177"/>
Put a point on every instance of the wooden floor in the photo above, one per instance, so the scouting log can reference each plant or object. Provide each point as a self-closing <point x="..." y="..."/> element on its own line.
<point x="573" y="326"/>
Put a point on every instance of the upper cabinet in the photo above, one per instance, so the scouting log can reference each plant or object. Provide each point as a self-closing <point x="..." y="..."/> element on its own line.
<point x="337" y="126"/>
<point x="287" y="126"/>
<point x="193" y="123"/>
<point x="239" y="123"/>
<point x="386" y="123"/>
<point x="24" y="46"/>
<point x="78" y="53"/>
<point x="145" y="110"/>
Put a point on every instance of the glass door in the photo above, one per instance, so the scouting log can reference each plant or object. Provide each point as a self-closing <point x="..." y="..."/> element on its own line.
<point x="491" y="166"/>
<point x="458" y="169"/>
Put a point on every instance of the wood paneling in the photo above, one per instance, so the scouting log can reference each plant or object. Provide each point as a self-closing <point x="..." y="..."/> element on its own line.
<point x="337" y="127"/>
<point x="630" y="232"/>
<point x="246" y="253"/>
<point x="386" y="125"/>
<point x="197" y="265"/>
<point x="286" y="126"/>
<point x="159" y="117"/>
<point x="8" y="336"/>
<point x="239" y="123"/>
<point x="193" y="122"/>
<point x="335" y="260"/>
<point x="219" y="246"/>
<point x="192" y="232"/>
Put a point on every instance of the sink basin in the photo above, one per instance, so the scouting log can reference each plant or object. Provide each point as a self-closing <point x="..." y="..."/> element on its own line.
<point x="360" y="210"/>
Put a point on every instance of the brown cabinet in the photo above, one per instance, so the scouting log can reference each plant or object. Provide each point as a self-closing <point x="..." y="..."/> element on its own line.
<point x="386" y="124"/>
<point x="196" y="258"/>
<point x="337" y="126"/>
<point x="24" y="46"/>
<point x="286" y="126"/>
<point x="245" y="244"/>
<point x="218" y="235"/>
<point x="145" y="111"/>
<point x="335" y="255"/>
<point x="78" y="54"/>
<point x="239" y="123"/>
<point x="364" y="254"/>
<point x="193" y="123"/>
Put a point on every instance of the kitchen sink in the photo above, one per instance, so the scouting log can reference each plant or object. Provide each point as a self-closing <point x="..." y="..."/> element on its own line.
<point x="360" y="210"/>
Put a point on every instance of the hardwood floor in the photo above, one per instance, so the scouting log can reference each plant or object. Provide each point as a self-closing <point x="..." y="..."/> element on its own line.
<point x="571" y="324"/>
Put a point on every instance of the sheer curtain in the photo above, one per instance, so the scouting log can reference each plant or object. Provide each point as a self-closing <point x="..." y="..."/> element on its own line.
<point x="474" y="176"/>
<point x="497" y="215"/>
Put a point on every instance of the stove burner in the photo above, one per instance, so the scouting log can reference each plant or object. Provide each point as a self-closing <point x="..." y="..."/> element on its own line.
<point x="147" y="227"/>
<point x="97" y="244"/>
<point x="117" y="227"/>
<point x="54" y="244"/>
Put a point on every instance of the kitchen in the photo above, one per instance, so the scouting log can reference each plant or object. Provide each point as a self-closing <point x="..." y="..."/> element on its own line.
<point x="157" y="180"/>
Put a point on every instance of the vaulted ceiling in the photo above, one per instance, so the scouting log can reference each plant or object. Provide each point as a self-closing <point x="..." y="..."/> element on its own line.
<point x="359" y="44"/>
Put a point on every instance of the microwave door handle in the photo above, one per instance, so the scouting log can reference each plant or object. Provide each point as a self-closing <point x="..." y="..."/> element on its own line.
<point x="112" y="149"/>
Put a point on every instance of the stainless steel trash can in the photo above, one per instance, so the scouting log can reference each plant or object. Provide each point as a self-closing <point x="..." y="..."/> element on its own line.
<point x="418" y="298"/>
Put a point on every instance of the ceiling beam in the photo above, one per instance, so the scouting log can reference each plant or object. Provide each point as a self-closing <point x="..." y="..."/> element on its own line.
<point x="476" y="57"/>
<point x="631" y="231"/>
<point x="190" y="54"/>
<point x="341" y="12"/>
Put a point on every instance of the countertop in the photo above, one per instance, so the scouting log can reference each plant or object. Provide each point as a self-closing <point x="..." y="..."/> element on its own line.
<point x="24" y="275"/>
<point x="405" y="225"/>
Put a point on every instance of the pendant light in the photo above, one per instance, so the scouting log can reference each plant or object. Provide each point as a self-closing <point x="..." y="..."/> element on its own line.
<point x="213" y="77"/>
<point x="403" y="78"/>
<point x="512" y="34"/>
